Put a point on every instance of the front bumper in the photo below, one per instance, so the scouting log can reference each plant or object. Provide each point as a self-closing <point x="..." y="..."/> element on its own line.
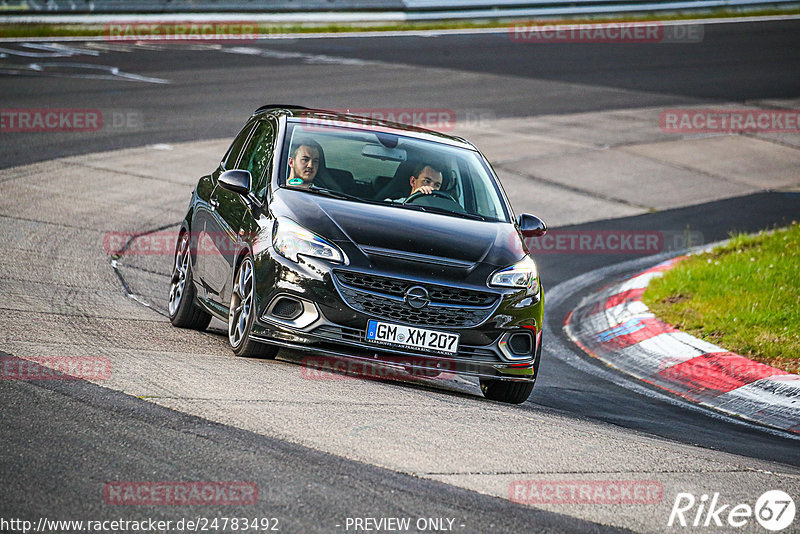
<point x="328" y="325"/>
<point x="333" y="340"/>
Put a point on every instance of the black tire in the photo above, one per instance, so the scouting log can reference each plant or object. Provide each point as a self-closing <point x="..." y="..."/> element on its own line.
<point x="504" y="391"/>
<point x="181" y="306"/>
<point x="241" y="314"/>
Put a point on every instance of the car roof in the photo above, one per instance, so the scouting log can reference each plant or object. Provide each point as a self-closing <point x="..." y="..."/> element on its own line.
<point x="323" y="117"/>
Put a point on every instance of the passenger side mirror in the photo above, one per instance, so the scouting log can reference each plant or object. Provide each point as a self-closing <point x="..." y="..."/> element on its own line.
<point x="531" y="225"/>
<point x="236" y="180"/>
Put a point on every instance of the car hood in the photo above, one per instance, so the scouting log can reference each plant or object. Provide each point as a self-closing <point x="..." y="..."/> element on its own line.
<point x="389" y="234"/>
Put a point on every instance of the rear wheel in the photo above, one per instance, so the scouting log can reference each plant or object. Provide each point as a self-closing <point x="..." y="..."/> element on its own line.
<point x="241" y="315"/>
<point x="183" y="312"/>
<point x="504" y="391"/>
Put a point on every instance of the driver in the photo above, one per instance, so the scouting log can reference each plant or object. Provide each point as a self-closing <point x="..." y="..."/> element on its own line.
<point x="426" y="178"/>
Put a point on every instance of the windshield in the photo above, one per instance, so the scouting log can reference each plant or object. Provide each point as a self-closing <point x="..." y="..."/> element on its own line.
<point x="399" y="171"/>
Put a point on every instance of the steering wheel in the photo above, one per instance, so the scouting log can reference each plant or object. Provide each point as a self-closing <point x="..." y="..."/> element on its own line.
<point x="434" y="193"/>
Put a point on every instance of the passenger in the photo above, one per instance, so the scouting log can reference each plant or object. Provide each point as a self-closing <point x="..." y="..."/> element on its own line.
<point x="426" y="178"/>
<point x="303" y="164"/>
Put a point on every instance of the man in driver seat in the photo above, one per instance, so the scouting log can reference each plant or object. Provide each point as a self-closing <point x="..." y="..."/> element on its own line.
<point x="426" y="178"/>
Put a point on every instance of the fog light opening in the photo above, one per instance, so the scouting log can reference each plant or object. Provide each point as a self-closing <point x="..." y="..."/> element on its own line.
<point x="286" y="308"/>
<point x="516" y="346"/>
<point x="520" y="344"/>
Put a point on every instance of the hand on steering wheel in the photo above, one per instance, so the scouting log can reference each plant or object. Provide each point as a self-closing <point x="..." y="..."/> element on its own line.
<point x="434" y="192"/>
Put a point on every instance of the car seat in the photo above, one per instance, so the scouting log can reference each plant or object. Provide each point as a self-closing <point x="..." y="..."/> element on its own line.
<point x="399" y="186"/>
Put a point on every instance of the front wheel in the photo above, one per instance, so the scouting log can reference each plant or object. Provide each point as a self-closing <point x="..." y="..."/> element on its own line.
<point x="241" y="315"/>
<point x="505" y="391"/>
<point x="183" y="312"/>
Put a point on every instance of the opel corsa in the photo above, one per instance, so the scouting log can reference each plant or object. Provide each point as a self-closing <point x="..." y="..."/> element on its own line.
<point x="307" y="237"/>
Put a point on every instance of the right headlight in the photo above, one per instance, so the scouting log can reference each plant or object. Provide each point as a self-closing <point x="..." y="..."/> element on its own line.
<point x="522" y="274"/>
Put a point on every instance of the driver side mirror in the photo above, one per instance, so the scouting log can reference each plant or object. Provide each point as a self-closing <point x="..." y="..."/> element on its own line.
<point x="236" y="180"/>
<point x="531" y="225"/>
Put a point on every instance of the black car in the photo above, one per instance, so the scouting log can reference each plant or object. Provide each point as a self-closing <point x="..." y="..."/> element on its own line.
<point x="308" y="236"/>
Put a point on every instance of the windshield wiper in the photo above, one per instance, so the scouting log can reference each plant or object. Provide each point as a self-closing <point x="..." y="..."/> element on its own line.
<point x="443" y="211"/>
<point x="465" y="215"/>
<point x="331" y="193"/>
<point x="339" y="194"/>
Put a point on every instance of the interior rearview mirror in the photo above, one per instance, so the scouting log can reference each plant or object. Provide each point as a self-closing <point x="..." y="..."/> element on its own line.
<point x="383" y="153"/>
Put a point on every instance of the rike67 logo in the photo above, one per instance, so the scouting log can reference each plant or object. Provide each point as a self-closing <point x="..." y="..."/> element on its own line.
<point x="774" y="510"/>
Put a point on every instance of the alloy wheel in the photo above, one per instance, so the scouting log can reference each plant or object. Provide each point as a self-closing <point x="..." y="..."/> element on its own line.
<point x="179" y="270"/>
<point x="241" y="303"/>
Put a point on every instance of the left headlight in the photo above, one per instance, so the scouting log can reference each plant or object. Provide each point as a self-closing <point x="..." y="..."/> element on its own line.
<point x="521" y="274"/>
<point x="292" y="240"/>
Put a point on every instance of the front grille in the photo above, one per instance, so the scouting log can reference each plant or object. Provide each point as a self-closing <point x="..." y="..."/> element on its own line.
<point x="383" y="298"/>
<point x="398" y="287"/>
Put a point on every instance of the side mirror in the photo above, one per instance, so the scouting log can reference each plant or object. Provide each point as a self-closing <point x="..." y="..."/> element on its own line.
<point x="236" y="180"/>
<point x="531" y="225"/>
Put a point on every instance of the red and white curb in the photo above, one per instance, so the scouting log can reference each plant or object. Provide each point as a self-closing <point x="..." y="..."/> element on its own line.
<point x="615" y="326"/>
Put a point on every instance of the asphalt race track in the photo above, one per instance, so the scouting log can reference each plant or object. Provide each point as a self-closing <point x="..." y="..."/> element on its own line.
<point x="210" y="92"/>
<point x="180" y="407"/>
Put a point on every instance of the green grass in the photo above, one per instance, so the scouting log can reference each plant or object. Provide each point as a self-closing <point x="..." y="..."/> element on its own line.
<point x="95" y="30"/>
<point x="743" y="296"/>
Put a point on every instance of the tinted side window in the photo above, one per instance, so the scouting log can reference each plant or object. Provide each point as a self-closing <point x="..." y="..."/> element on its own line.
<point x="232" y="156"/>
<point x="257" y="156"/>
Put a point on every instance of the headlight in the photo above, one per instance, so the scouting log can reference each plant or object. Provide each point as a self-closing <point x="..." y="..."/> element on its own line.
<point x="521" y="274"/>
<point x="292" y="240"/>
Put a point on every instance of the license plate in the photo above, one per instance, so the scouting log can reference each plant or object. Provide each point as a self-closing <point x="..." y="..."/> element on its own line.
<point x="411" y="336"/>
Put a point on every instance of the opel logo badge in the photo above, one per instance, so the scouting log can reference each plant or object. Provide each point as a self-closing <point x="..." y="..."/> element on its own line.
<point x="417" y="297"/>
